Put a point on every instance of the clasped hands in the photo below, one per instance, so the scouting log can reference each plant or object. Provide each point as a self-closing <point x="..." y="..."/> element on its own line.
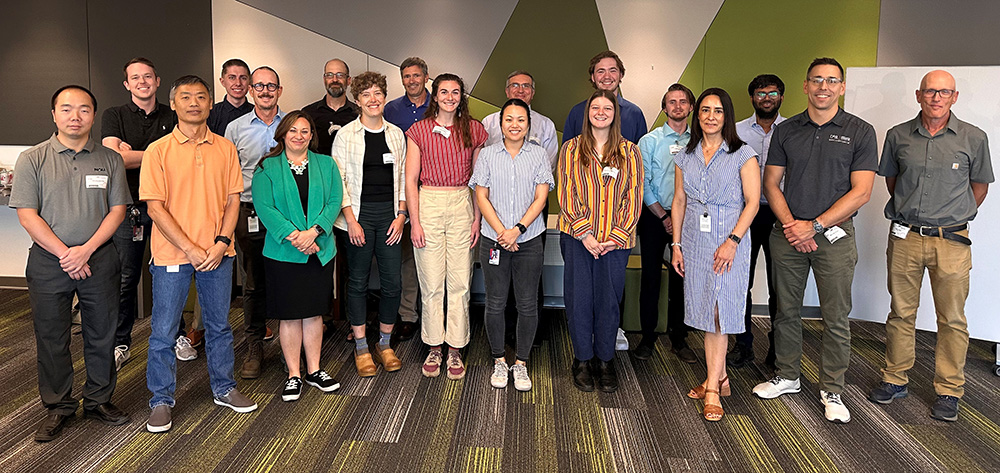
<point x="74" y="262"/>
<point x="799" y="234"/>
<point x="596" y="248"/>
<point x="304" y="241"/>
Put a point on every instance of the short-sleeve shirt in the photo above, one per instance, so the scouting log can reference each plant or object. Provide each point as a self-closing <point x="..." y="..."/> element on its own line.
<point x="132" y="125"/>
<point x="445" y="162"/>
<point x="541" y="133"/>
<point x="193" y="179"/>
<point x="512" y="184"/>
<point x="404" y="113"/>
<point x="253" y="139"/>
<point x="223" y="113"/>
<point x="819" y="159"/>
<point x="329" y="121"/>
<point x="933" y="172"/>
<point x="73" y="192"/>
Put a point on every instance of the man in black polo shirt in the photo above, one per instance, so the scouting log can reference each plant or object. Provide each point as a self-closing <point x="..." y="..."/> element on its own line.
<point x="828" y="159"/>
<point x="129" y="129"/>
<point x="235" y="79"/>
<point x="332" y="111"/>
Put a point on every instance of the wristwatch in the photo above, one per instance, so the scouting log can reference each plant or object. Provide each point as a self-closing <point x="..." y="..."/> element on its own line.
<point x="818" y="227"/>
<point x="224" y="239"/>
<point x="523" y="229"/>
<point x="404" y="213"/>
<point x="665" y="216"/>
<point x="319" y="230"/>
<point x="732" y="236"/>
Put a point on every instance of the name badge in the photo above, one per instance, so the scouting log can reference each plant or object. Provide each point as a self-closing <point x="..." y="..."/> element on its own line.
<point x="900" y="231"/>
<point x="333" y="128"/>
<point x="834" y="233"/>
<point x="705" y="223"/>
<point x="495" y="256"/>
<point x="174" y="268"/>
<point x="137" y="233"/>
<point x="97" y="181"/>
<point x="535" y="140"/>
<point x="441" y="131"/>
<point x="253" y="224"/>
<point x="388" y="158"/>
<point x="609" y="171"/>
<point x="675" y="148"/>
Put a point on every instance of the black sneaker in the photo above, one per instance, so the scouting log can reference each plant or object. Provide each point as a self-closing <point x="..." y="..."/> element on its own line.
<point x="945" y="408"/>
<point x="293" y="389"/>
<point x="320" y="379"/>
<point x="740" y="356"/>
<point x="886" y="392"/>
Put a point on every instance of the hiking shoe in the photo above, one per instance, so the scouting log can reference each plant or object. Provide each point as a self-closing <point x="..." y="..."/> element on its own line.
<point x="183" y="349"/>
<point x="886" y="392"/>
<point x="121" y="356"/>
<point x="293" y="389"/>
<point x="196" y="337"/>
<point x="254" y="360"/>
<point x="741" y="356"/>
<point x="776" y="386"/>
<point x="499" y="378"/>
<point x="237" y="402"/>
<point x="322" y="381"/>
<point x="521" y="380"/>
<point x="159" y="419"/>
<point x="456" y="369"/>
<point x="945" y="408"/>
<point x="836" y="411"/>
<point x="432" y="365"/>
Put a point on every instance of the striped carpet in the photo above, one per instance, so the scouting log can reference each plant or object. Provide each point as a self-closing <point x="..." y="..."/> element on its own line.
<point x="404" y="422"/>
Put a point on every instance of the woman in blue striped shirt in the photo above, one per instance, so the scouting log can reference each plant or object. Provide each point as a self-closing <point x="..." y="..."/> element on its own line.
<point x="512" y="180"/>
<point x="716" y="195"/>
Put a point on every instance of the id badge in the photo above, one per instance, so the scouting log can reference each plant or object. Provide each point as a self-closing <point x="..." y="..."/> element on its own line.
<point x="900" y="231"/>
<point x="675" y="148"/>
<point x="705" y="223"/>
<point x="97" y="181"/>
<point x="609" y="171"/>
<point x="176" y="268"/>
<point x="388" y="158"/>
<point x="253" y="224"/>
<point x="495" y="256"/>
<point x="137" y="233"/>
<point x="834" y="233"/>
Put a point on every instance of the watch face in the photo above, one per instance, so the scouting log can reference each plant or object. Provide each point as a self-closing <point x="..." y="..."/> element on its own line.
<point x="817" y="227"/>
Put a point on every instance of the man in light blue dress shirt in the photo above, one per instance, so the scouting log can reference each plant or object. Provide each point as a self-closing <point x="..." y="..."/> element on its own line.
<point x="766" y="92"/>
<point x="658" y="148"/>
<point x="521" y="85"/>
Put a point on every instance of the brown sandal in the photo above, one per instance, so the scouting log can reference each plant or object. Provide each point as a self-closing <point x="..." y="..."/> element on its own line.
<point x="698" y="392"/>
<point x="713" y="412"/>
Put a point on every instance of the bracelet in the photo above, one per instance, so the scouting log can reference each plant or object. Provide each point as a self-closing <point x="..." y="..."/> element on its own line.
<point x="224" y="239"/>
<point x="677" y="244"/>
<point x="735" y="238"/>
<point x="664" y="217"/>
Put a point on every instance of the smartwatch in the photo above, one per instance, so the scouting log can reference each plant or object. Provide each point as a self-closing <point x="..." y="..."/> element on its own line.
<point x="735" y="238"/>
<point x="521" y="228"/>
<point x="665" y="217"/>
<point x="224" y="239"/>
<point x="404" y="213"/>
<point x="818" y="227"/>
<point x="319" y="230"/>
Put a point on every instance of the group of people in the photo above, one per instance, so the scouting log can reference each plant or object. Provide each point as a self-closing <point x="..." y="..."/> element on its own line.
<point x="419" y="185"/>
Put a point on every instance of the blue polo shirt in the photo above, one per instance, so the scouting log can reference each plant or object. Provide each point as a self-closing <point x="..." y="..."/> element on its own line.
<point x="403" y="113"/>
<point x="633" y="121"/>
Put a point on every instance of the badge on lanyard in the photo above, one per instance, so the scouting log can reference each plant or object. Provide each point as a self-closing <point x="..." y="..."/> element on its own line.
<point x="705" y="223"/>
<point x="495" y="256"/>
<point x="253" y="224"/>
<point x="675" y="148"/>
<point x="900" y="231"/>
<point x="834" y="233"/>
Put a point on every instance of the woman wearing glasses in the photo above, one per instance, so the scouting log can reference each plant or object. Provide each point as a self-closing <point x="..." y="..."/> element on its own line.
<point x="716" y="195"/>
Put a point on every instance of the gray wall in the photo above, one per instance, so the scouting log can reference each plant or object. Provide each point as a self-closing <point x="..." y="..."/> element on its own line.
<point x="936" y="33"/>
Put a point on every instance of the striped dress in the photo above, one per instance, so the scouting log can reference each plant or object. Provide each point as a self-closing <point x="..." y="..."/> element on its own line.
<point x="717" y="190"/>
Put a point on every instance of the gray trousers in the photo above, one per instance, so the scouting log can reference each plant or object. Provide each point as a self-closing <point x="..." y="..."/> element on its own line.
<point x="50" y="291"/>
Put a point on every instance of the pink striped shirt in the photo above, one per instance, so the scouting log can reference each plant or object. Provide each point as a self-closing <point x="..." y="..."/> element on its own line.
<point x="444" y="162"/>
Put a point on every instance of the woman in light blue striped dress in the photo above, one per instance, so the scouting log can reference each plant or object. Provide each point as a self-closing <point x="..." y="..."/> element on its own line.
<point x="717" y="193"/>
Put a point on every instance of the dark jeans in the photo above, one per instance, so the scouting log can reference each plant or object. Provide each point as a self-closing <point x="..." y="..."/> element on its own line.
<point x="523" y="270"/>
<point x="510" y="312"/>
<point x="374" y="219"/>
<point x="760" y="239"/>
<point x="592" y="289"/>
<point x="130" y="255"/>
<point x="50" y="292"/>
<point x="251" y="248"/>
<point x="654" y="239"/>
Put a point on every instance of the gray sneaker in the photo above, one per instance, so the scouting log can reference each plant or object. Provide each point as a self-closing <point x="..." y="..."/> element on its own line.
<point x="184" y="350"/>
<point x="521" y="380"/>
<point x="237" y="402"/>
<point x="499" y="378"/>
<point x="159" y="419"/>
<point x="121" y="356"/>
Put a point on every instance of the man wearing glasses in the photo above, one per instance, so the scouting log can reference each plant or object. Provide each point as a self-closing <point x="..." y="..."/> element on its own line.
<point x="253" y="135"/>
<point x="333" y="111"/>
<point x="766" y="92"/>
<point x="521" y="85"/>
<point x="828" y="160"/>
<point x="937" y="170"/>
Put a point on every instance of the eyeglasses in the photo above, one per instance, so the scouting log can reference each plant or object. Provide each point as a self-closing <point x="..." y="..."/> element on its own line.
<point x="516" y="86"/>
<point x="271" y="86"/>
<point x="773" y="94"/>
<point x="945" y="93"/>
<point x="818" y="81"/>
<point x="331" y="75"/>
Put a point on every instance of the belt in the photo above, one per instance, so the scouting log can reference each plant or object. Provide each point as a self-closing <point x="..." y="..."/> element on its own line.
<point x="248" y="205"/>
<point x="948" y="233"/>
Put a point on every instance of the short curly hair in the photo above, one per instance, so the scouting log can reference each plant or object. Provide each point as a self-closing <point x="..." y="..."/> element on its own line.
<point x="365" y="81"/>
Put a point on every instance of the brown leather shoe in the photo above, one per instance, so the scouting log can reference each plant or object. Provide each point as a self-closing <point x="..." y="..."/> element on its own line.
<point x="366" y="367"/>
<point x="387" y="358"/>
<point x="253" y="362"/>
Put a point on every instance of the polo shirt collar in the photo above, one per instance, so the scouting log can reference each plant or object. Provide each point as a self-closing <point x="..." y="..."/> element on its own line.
<point x="837" y="119"/>
<point x="135" y="108"/>
<point x="411" y="104"/>
<point x="58" y="147"/>
<point x="181" y="138"/>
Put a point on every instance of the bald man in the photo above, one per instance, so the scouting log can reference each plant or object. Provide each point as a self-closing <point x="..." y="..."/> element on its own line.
<point x="937" y="169"/>
<point x="333" y="110"/>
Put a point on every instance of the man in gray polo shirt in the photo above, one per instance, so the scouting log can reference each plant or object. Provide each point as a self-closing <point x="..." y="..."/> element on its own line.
<point x="828" y="159"/>
<point x="937" y="169"/>
<point x="70" y="194"/>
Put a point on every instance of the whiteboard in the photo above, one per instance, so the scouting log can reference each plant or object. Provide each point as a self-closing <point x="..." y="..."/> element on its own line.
<point x="884" y="97"/>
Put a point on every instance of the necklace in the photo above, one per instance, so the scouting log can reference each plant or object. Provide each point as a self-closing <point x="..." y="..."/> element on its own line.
<point x="298" y="168"/>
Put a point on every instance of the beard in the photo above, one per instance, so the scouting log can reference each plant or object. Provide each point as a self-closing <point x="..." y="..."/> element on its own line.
<point x="335" y="90"/>
<point x="765" y="114"/>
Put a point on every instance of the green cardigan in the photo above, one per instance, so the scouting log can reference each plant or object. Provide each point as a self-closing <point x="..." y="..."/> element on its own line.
<point x="276" y="200"/>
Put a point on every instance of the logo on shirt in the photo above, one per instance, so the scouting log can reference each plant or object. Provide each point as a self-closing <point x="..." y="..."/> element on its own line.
<point x="840" y="139"/>
<point x="100" y="170"/>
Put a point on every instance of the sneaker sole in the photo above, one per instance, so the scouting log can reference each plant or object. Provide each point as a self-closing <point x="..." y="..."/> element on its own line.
<point x="241" y="410"/>
<point x="328" y="389"/>
<point x="946" y="419"/>
<point x="456" y="377"/>
<point x="498" y="385"/>
<point x="431" y="374"/>
<point x="187" y="358"/>
<point x="889" y="401"/>
<point x="839" y="421"/>
<point x="522" y="388"/>
<point x="157" y="429"/>
<point x="289" y="398"/>
<point x="780" y="393"/>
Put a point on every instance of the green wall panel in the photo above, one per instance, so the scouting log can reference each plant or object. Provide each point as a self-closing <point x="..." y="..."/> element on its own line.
<point x="554" y="41"/>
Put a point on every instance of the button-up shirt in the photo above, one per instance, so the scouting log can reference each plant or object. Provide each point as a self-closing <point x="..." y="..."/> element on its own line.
<point x="349" y="152"/>
<point x="633" y="121"/>
<point x="223" y="113"/>
<point x="658" y="149"/>
<point x="328" y="121"/>
<point x="542" y="133"/>
<point x="253" y="139"/>
<point x="753" y="134"/>
<point x="512" y="184"/>
<point x="404" y="113"/>
<point x="819" y="159"/>
<point x="933" y="172"/>
<point x="132" y="125"/>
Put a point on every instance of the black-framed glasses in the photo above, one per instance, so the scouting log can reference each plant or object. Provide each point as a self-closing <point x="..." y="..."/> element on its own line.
<point x="331" y="75"/>
<point x="271" y="86"/>
<point x="945" y="93"/>
<point x="773" y="94"/>
<point x="818" y="81"/>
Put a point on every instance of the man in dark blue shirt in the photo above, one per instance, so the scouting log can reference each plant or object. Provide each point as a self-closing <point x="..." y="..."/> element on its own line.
<point x="606" y="73"/>
<point x="410" y="107"/>
<point x="235" y="79"/>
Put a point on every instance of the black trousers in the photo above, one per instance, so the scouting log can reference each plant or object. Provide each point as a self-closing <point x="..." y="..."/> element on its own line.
<point x="654" y="240"/>
<point x="251" y="251"/>
<point x="760" y="231"/>
<point x="50" y="291"/>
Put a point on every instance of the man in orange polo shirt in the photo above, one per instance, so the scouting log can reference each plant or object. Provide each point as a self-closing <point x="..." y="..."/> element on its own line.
<point x="194" y="203"/>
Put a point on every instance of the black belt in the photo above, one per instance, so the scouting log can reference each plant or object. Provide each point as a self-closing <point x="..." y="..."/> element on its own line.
<point x="948" y="233"/>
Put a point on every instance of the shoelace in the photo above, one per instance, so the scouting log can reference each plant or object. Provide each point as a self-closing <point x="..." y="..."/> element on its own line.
<point x="183" y="341"/>
<point x="292" y="383"/>
<point x="519" y="370"/>
<point x="776" y="380"/>
<point x="833" y="397"/>
<point x="454" y="360"/>
<point x="322" y="375"/>
<point x="499" y="369"/>
<point x="434" y="357"/>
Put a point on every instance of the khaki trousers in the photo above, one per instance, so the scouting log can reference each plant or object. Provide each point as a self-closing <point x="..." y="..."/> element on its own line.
<point x="445" y="264"/>
<point x="948" y="263"/>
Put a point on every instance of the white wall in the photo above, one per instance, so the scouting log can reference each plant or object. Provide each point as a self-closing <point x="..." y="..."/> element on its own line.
<point x="14" y="241"/>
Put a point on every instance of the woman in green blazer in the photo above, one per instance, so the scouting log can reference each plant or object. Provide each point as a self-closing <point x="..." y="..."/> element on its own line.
<point x="297" y="196"/>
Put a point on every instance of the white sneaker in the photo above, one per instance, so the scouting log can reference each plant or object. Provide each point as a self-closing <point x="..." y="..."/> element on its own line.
<point x="499" y="378"/>
<point x="836" y="411"/>
<point x="621" y="343"/>
<point x="521" y="380"/>
<point x="121" y="356"/>
<point x="775" y="387"/>
<point x="184" y="350"/>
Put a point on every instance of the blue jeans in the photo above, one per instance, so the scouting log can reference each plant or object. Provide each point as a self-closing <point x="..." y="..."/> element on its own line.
<point x="169" y="296"/>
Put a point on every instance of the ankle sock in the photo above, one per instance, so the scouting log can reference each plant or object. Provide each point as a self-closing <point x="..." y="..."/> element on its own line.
<point x="360" y="345"/>
<point x="383" y="341"/>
